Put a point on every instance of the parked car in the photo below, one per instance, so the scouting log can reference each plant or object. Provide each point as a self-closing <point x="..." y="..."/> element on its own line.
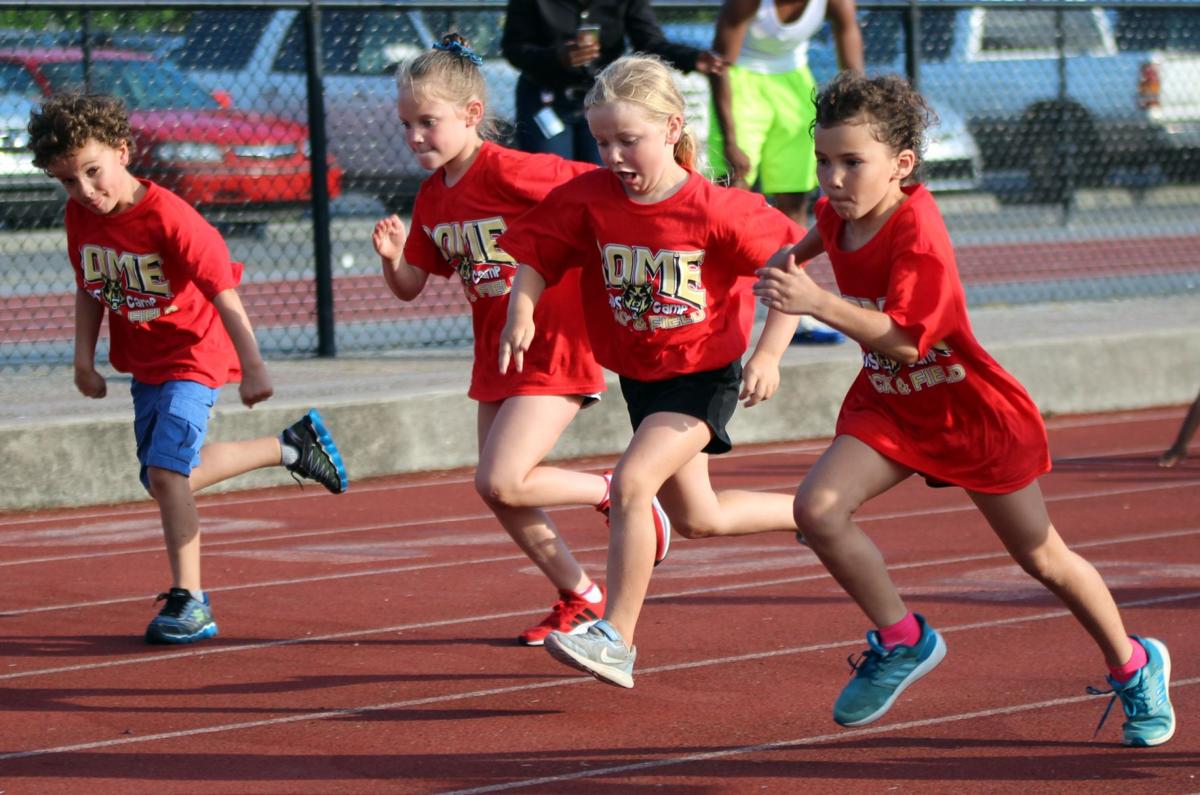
<point x="27" y="196"/>
<point x="215" y="157"/>
<point x="1047" y="92"/>
<point x="257" y="57"/>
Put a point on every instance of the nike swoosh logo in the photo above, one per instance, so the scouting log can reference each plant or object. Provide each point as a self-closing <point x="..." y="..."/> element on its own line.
<point x="605" y="658"/>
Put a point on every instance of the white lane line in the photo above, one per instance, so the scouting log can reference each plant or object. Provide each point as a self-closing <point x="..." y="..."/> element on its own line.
<point x="907" y="514"/>
<point x="574" y="681"/>
<point x="798" y="742"/>
<point x="965" y="505"/>
<point x="706" y="590"/>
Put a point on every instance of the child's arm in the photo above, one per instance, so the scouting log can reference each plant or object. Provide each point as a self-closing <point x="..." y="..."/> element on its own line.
<point x="405" y="281"/>
<point x="808" y="247"/>
<point x="88" y="314"/>
<point x="527" y="288"/>
<point x="256" y="382"/>
<point x="760" y="377"/>
<point x="789" y="289"/>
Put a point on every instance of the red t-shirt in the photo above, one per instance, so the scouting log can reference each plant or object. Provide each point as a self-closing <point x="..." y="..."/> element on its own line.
<point x="157" y="266"/>
<point x="955" y="415"/>
<point x="454" y="231"/>
<point x="666" y="286"/>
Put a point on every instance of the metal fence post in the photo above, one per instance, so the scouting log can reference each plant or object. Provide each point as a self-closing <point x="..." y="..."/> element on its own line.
<point x="326" y="332"/>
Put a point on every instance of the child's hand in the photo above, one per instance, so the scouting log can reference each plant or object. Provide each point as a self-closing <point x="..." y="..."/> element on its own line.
<point x="780" y="258"/>
<point x="256" y="385"/>
<point x="785" y="287"/>
<point x="760" y="380"/>
<point x="90" y="383"/>
<point x="389" y="236"/>
<point x="514" y="341"/>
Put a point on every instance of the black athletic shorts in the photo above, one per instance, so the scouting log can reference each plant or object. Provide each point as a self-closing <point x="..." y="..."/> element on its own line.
<point x="710" y="396"/>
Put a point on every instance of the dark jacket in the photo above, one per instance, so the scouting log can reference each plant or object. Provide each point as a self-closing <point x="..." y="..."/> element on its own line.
<point x="534" y="29"/>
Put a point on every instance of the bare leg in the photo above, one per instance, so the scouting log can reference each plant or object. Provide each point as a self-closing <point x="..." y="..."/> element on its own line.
<point x="223" y="460"/>
<point x="1178" y="451"/>
<point x="181" y="525"/>
<point x="848" y="474"/>
<point x="664" y="444"/>
<point x="1021" y="522"/>
<point x="514" y="436"/>
<point x="697" y="511"/>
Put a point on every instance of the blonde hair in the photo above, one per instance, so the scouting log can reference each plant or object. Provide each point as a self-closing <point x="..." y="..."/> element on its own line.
<point x="448" y="72"/>
<point x="645" y="81"/>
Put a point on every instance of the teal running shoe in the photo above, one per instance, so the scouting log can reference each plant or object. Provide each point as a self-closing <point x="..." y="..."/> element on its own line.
<point x="319" y="458"/>
<point x="600" y="651"/>
<point x="183" y="619"/>
<point x="1149" y="716"/>
<point x="881" y="675"/>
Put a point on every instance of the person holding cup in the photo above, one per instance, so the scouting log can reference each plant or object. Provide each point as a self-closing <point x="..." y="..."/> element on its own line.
<point x="560" y="46"/>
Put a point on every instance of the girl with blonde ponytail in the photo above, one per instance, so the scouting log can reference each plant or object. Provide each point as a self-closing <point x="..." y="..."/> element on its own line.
<point x="668" y="260"/>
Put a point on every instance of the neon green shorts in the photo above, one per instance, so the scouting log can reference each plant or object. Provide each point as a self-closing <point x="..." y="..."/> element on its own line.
<point x="773" y="116"/>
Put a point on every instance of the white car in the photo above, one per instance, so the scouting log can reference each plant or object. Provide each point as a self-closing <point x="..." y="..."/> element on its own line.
<point x="257" y="57"/>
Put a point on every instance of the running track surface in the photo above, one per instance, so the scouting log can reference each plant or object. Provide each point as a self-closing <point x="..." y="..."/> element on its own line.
<point x="366" y="645"/>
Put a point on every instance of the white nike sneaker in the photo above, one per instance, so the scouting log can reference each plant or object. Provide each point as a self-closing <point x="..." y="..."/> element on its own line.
<point x="601" y="652"/>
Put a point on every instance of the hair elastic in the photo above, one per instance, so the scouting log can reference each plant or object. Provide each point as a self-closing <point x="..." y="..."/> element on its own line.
<point x="459" y="49"/>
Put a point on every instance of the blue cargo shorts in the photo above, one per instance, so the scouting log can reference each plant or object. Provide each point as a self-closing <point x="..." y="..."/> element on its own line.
<point x="170" y="421"/>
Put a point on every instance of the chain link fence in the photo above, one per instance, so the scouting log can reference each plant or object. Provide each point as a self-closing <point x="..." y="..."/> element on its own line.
<point x="1067" y="161"/>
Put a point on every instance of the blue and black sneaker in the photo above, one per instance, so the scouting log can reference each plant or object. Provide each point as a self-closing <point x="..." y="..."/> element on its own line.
<point x="1149" y="716"/>
<point x="319" y="458"/>
<point x="183" y="619"/>
<point x="881" y="675"/>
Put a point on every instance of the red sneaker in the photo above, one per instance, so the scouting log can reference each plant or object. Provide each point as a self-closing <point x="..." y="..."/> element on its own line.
<point x="662" y="522"/>
<point x="571" y="615"/>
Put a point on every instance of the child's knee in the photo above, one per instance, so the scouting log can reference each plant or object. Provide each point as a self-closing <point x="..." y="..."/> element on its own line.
<point x="495" y="488"/>
<point x="162" y="482"/>
<point x="817" y="511"/>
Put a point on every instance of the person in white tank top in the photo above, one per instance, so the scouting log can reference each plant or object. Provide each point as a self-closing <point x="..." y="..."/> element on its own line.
<point x="760" y="129"/>
<point x="754" y="121"/>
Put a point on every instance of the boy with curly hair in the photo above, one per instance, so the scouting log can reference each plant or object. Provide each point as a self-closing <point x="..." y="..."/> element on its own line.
<point x="176" y="324"/>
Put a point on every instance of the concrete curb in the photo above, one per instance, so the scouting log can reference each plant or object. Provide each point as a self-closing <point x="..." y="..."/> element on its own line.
<point x="1089" y="366"/>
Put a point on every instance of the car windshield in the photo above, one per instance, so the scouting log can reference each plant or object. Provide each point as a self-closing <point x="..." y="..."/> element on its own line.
<point x="143" y="85"/>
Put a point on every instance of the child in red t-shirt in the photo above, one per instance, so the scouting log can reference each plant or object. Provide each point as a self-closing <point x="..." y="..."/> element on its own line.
<point x="476" y="189"/>
<point x="928" y="400"/>
<point x="666" y="261"/>
<point x="175" y="323"/>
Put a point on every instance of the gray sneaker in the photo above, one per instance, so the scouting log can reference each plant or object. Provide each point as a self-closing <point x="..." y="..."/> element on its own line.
<point x="600" y="651"/>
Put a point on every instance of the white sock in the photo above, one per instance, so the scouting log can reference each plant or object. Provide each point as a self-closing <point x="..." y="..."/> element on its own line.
<point x="197" y="595"/>
<point x="290" y="455"/>
<point x="592" y="594"/>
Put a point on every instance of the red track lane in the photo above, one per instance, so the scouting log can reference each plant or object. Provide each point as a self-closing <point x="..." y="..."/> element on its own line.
<point x="366" y="645"/>
<point x="47" y="317"/>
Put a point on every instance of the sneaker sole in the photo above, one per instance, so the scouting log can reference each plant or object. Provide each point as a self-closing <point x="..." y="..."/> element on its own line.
<point x="1166" y="657"/>
<point x="330" y="447"/>
<point x="577" y="630"/>
<point x="663" y="539"/>
<point x="931" y="662"/>
<point x="606" y="674"/>
<point x="159" y="638"/>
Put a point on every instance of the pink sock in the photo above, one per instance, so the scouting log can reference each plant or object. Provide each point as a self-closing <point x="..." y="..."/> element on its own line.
<point x="905" y="632"/>
<point x="1123" y="673"/>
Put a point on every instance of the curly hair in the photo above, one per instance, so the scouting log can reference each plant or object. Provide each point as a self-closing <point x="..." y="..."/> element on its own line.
<point x="66" y="122"/>
<point x="897" y="113"/>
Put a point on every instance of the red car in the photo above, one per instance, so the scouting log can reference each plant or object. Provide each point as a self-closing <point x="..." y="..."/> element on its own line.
<point x="187" y="140"/>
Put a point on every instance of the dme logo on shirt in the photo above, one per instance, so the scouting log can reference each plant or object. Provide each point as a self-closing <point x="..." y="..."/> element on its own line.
<point x="467" y="245"/>
<point x="632" y="274"/>
<point x="141" y="273"/>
